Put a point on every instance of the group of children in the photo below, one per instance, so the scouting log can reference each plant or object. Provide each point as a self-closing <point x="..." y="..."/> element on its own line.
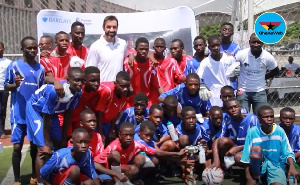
<point x="82" y="131"/>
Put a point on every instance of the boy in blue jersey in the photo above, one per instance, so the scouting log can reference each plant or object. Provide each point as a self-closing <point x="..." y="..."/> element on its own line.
<point x="160" y="136"/>
<point x="171" y="108"/>
<point x="193" y="64"/>
<point x="235" y="131"/>
<point x="188" y="95"/>
<point x="23" y="77"/>
<point x="267" y="150"/>
<point x="42" y="114"/>
<point x="287" y="118"/>
<point x="137" y="113"/>
<point x="190" y="132"/>
<point x="227" y="45"/>
<point x="72" y="165"/>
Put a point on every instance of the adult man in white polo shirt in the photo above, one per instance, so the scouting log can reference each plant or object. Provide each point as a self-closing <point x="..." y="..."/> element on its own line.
<point x="254" y="63"/>
<point x="4" y="63"/>
<point x="108" y="52"/>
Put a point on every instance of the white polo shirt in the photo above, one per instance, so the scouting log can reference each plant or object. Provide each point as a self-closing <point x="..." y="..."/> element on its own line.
<point x="4" y="63"/>
<point x="108" y="57"/>
<point x="253" y="70"/>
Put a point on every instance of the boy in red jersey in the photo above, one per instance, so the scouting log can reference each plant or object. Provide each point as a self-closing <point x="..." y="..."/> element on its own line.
<point x="143" y="75"/>
<point x="123" y="154"/>
<point x="90" y="96"/>
<point x="176" y="49"/>
<point x="76" y="47"/>
<point x="58" y="64"/>
<point x="113" y="100"/>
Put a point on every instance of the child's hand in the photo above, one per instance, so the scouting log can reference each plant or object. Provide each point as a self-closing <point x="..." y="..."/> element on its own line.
<point x="18" y="80"/>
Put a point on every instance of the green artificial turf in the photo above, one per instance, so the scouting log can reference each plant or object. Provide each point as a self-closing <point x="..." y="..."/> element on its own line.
<point x="5" y="159"/>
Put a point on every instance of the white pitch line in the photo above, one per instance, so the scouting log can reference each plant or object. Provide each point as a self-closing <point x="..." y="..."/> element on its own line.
<point x="9" y="178"/>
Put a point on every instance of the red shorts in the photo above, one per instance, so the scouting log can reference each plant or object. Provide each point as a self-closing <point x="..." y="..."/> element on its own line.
<point x="60" y="177"/>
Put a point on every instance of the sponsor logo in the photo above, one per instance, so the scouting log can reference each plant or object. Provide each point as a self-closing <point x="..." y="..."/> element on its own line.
<point x="61" y="20"/>
<point x="270" y="27"/>
<point x="84" y="21"/>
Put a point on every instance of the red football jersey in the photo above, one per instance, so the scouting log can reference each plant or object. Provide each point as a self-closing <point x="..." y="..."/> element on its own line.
<point x="58" y="65"/>
<point x="126" y="155"/>
<point x="109" y="103"/>
<point x="169" y="73"/>
<point x="82" y="53"/>
<point x="182" y="63"/>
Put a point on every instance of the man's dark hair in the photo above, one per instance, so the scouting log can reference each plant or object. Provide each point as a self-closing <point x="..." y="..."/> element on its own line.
<point x="26" y="38"/>
<point x="160" y="39"/>
<point x="227" y="23"/>
<point x="84" y="112"/>
<point x="214" y="109"/>
<point x="141" y="40"/>
<point x="212" y="38"/>
<point x="287" y="109"/>
<point x="200" y="37"/>
<point x="78" y="130"/>
<point x="147" y="125"/>
<point x="47" y="37"/>
<point x="76" y="23"/>
<point x="110" y="18"/>
<point x="170" y="99"/>
<point x="263" y="107"/>
<point x="192" y="76"/>
<point x="73" y="70"/>
<point x="126" y="125"/>
<point x="180" y="42"/>
<point x="229" y="100"/>
<point x="90" y="70"/>
<point x="141" y="97"/>
<point x="2" y="44"/>
<point x="186" y="109"/>
<point x="59" y="33"/>
<point x="155" y="106"/>
<point x="123" y="75"/>
<point x="227" y="87"/>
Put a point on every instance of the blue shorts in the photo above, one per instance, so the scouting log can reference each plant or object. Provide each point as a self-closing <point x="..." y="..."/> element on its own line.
<point x="104" y="177"/>
<point x="273" y="173"/>
<point x="18" y="132"/>
<point x="35" y="127"/>
<point x="106" y="128"/>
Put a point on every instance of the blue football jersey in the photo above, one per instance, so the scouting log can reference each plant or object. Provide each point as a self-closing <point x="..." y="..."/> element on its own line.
<point x="212" y="132"/>
<point x="181" y="93"/>
<point x="232" y="48"/>
<point x="294" y="137"/>
<point x="33" y="78"/>
<point x="195" y="137"/>
<point x="129" y="116"/>
<point x="45" y="100"/>
<point x="151" y="144"/>
<point x="191" y="66"/>
<point x="161" y="130"/>
<point x="62" y="159"/>
<point x="238" y="130"/>
<point x="275" y="147"/>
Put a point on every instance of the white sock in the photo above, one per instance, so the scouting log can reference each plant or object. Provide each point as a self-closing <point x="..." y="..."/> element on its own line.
<point x="116" y="168"/>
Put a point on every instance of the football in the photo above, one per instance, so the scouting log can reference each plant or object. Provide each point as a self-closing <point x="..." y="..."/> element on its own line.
<point x="212" y="176"/>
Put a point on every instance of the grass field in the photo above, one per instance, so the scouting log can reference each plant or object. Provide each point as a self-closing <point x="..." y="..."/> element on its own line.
<point x="237" y="178"/>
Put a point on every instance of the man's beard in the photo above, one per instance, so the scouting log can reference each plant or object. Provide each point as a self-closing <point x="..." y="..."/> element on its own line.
<point x="110" y="34"/>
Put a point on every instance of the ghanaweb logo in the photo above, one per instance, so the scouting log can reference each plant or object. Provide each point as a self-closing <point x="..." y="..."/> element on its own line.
<point x="270" y="27"/>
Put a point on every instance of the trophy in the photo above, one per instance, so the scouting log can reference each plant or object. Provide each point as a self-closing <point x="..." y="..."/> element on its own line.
<point x="192" y="150"/>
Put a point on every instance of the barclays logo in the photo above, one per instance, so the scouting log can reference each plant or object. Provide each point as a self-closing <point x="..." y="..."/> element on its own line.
<point x="45" y="19"/>
<point x="56" y="20"/>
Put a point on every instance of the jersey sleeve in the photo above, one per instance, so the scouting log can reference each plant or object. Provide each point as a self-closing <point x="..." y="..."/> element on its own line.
<point x="173" y="91"/>
<point x="177" y="73"/>
<point x="271" y="62"/>
<point x="205" y="130"/>
<point x="9" y="75"/>
<point x="124" y="118"/>
<point x="75" y="102"/>
<point x="47" y="64"/>
<point x="89" y="167"/>
<point x="92" y="57"/>
<point x="200" y="70"/>
<point x="205" y="106"/>
<point x="144" y="148"/>
<point x="286" y="149"/>
<point x="49" y="166"/>
<point x="164" y="130"/>
<point x="103" y="101"/>
<point x="245" y="158"/>
<point x="50" y="98"/>
<point x="102" y="157"/>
